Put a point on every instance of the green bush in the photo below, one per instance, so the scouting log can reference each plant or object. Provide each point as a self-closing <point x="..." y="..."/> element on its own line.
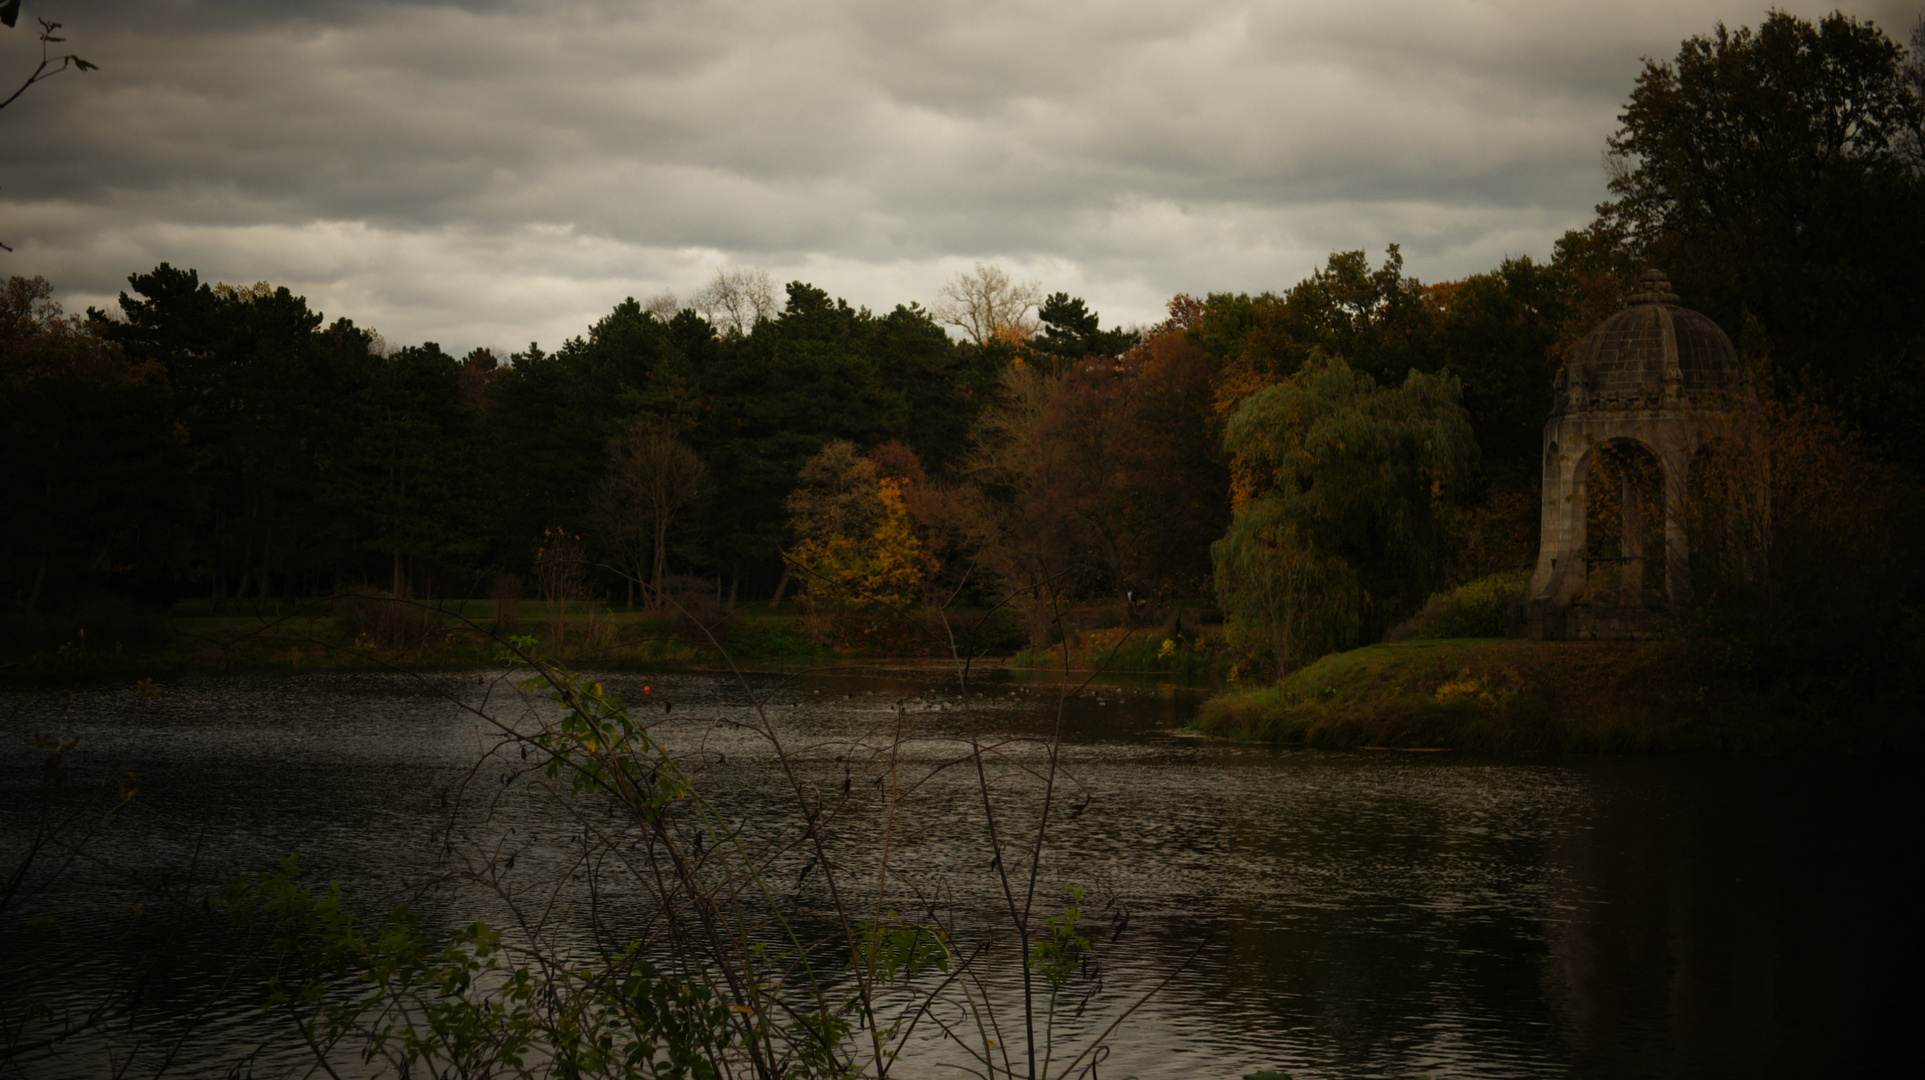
<point x="1477" y="609"/>
<point x="768" y="638"/>
<point x="1148" y="650"/>
<point x="371" y="618"/>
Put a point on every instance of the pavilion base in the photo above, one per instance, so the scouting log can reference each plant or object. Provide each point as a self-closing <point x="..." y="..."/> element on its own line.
<point x="1590" y="622"/>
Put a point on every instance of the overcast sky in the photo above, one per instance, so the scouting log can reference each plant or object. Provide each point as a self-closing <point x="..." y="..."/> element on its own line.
<point x="501" y="171"/>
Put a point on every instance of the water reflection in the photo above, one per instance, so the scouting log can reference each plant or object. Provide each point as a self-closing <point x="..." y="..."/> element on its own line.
<point x="1340" y="915"/>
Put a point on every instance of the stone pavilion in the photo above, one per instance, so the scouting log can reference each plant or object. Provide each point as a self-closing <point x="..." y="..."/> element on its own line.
<point x="1659" y="390"/>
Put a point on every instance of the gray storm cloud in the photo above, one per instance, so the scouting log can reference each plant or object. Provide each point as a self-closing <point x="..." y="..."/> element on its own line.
<point x="494" y="173"/>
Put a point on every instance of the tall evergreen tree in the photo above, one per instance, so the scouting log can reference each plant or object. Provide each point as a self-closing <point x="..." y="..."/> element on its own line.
<point x="93" y="471"/>
<point x="409" y="477"/>
<point x="1774" y="175"/>
<point x="254" y="386"/>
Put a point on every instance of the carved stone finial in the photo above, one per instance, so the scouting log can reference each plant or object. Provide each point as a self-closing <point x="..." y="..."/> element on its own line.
<point x="1652" y="288"/>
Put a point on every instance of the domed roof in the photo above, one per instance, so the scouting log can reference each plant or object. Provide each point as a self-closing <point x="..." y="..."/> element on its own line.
<point x="1654" y="354"/>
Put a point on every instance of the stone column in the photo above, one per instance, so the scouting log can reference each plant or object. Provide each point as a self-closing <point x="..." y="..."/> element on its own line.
<point x="1677" y="546"/>
<point x="1573" y="576"/>
<point x="1559" y="575"/>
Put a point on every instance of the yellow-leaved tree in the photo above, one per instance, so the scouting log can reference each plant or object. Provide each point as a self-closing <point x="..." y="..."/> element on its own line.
<point x="856" y="540"/>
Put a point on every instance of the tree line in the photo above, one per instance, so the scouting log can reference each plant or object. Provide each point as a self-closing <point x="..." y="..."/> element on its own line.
<point x="1319" y="458"/>
<point x="232" y="443"/>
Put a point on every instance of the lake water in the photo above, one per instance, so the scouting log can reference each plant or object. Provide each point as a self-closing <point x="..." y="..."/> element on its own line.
<point x="1369" y="914"/>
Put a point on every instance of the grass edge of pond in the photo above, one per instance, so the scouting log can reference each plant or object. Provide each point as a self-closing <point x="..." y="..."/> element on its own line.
<point x="1514" y="696"/>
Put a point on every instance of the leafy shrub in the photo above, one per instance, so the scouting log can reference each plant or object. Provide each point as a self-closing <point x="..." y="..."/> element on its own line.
<point x="101" y="622"/>
<point x="768" y="637"/>
<point x="507" y="591"/>
<point x="693" y="607"/>
<point x="997" y="632"/>
<point x="376" y="619"/>
<point x="1476" y="609"/>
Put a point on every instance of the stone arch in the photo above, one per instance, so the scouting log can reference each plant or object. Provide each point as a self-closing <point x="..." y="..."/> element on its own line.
<point x="1625" y="513"/>
<point x="1598" y="578"/>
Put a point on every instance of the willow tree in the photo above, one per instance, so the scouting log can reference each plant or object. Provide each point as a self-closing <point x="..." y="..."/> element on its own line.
<point x="1340" y="484"/>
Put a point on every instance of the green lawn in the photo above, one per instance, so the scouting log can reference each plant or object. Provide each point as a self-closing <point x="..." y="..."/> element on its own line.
<point x="1498" y="695"/>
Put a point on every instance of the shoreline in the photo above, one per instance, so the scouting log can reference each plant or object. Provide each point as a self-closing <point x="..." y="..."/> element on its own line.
<point x="1483" y="695"/>
<point x="468" y="635"/>
<point x="1509" y="696"/>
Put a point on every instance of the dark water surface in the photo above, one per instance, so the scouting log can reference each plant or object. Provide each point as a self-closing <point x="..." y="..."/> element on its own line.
<point x="1342" y="914"/>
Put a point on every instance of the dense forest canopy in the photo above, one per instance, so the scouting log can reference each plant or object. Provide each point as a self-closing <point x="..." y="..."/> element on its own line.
<point x="232" y="443"/>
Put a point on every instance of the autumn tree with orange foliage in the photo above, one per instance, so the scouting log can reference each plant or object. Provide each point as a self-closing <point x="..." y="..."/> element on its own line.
<point x="1106" y="477"/>
<point x="857" y="546"/>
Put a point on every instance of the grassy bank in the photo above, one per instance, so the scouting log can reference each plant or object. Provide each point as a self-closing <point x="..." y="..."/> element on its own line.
<point x="1193" y="653"/>
<point x="1526" y="696"/>
<point x="334" y="637"/>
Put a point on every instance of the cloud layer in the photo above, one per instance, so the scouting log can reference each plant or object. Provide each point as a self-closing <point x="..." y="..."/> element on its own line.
<point x="490" y="173"/>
